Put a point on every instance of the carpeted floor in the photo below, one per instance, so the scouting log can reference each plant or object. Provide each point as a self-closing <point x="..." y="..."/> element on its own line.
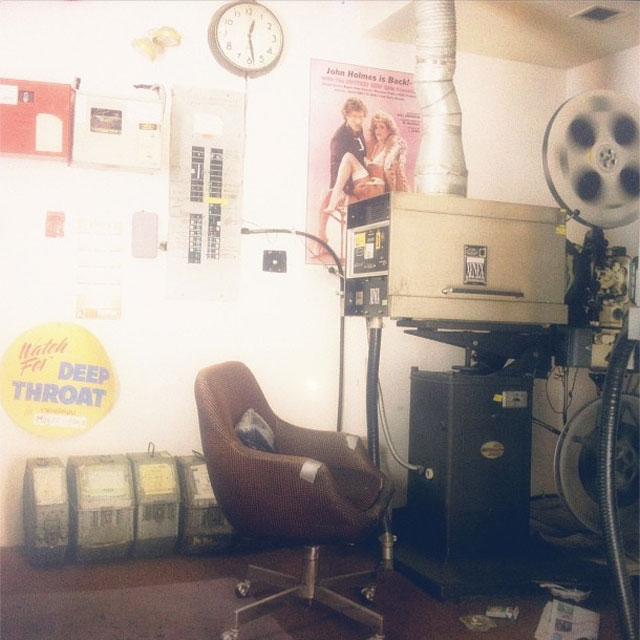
<point x="178" y="611"/>
<point x="192" y="598"/>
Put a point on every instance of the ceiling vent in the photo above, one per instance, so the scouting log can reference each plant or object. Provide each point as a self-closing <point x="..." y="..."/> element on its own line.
<point x="597" y="14"/>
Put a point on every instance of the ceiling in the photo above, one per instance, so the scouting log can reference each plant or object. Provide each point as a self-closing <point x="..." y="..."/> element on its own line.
<point x="545" y="32"/>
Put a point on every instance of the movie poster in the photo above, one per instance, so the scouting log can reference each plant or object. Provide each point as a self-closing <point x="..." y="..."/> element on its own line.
<point x="369" y="150"/>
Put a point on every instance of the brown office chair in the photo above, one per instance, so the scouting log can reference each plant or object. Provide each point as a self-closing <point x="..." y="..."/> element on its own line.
<point x="317" y="487"/>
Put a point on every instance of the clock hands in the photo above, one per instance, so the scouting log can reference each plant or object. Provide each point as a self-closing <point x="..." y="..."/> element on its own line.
<point x="253" y="24"/>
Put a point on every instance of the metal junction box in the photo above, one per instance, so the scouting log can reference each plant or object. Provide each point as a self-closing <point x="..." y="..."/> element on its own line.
<point x="157" y="491"/>
<point x="102" y="502"/>
<point x="117" y="132"/>
<point x="46" y="511"/>
<point x="438" y="257"/>
<point x="203" y="525"/>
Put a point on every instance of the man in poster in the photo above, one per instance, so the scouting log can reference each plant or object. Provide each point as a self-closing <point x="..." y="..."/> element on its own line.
<point x="348" y="138"/>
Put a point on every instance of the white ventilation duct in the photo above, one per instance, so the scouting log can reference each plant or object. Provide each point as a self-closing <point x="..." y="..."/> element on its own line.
<point x="440" y="166"/>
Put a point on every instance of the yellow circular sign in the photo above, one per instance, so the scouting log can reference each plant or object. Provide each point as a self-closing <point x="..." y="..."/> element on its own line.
<point x="56" y="380"/>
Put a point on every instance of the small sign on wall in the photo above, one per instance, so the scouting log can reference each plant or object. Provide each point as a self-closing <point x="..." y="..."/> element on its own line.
<point x="54" y="227"/>
<point x="56" y="380"/>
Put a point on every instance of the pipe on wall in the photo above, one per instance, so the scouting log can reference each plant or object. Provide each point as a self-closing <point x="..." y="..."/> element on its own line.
<point x="440" y="166"/>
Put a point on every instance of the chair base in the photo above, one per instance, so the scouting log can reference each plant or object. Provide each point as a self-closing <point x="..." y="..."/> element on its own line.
<point x="307" y="588"/>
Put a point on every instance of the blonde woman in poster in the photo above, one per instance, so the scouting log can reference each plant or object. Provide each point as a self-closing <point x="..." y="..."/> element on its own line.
<point x="383" y="169"/>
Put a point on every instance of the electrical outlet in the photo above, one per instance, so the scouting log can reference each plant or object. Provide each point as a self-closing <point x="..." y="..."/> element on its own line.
<point x="274" y="261"/>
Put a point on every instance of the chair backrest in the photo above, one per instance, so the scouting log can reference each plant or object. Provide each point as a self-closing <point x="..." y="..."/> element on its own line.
<point x="223" y="393"/>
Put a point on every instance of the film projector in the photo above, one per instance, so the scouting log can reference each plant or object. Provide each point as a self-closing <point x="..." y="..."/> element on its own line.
<point x="591" y="160"/>
<point x="504" y="282"/>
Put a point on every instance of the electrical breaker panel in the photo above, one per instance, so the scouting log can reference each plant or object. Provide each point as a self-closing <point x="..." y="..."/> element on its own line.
<point x="35" y="118"/>
<point x="118" y="132"/>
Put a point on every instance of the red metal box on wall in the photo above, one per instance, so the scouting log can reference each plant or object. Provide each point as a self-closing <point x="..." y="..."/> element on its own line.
<point x="35" y="118"/>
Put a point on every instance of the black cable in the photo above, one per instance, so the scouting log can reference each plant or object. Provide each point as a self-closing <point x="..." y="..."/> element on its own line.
<point x="543" y="496"/>
<point x="607" y="490"/>
<point x="546" y="388"/>
<point x="546" y="426"/>
<point x="373" y="366"/>
<point x="567" y="394"/>
<point x="332" y="253"/>
<point x="325" y="245"/>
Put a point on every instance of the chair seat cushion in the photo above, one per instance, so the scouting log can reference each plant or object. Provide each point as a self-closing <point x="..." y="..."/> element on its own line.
<point x="255" y="433"/>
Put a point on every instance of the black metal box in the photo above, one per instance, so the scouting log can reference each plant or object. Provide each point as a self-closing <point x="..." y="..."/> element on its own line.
<point x="473" y="433"/>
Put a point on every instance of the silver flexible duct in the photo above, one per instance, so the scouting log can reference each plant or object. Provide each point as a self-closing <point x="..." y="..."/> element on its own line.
<point x="440" y="166"/>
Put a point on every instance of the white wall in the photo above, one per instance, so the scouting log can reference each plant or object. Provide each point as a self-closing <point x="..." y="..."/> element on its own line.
<point x="617" y="72"/>
<point x="284" y="326"/>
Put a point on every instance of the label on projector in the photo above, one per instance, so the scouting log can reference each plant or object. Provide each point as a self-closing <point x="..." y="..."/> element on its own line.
<point x="515" y="399"/>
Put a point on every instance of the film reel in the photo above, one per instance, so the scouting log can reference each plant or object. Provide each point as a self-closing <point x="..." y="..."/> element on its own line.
<point x="576" y="467"/>
<point x="591" y="158"/>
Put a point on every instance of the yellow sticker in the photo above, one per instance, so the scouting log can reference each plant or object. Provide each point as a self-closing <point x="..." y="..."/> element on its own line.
<point x="157" y="478"/>
<point x="212" y="200"/>
<point x="360" y="239"/>
<point x="56" y="380"/>
<point x="561" y="230"/>
<point x="497" y="397"/>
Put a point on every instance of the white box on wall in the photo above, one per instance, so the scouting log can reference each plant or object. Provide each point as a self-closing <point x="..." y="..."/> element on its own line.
<point x="117" y="132"/>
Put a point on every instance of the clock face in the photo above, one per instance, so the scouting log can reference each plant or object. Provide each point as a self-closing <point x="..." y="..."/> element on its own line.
<point x="246" y="38"/>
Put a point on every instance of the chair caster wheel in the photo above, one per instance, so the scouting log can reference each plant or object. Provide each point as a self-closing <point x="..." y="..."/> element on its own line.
<point x="231" y="634"/>
<point x="368" y="594"/>
<point x="242" y="591"/>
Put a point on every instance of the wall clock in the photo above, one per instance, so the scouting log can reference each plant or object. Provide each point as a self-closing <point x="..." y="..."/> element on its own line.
<point x="246" y="38"/>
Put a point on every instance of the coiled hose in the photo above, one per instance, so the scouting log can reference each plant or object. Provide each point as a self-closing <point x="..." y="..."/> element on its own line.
<point x="608" y="504"/>
<point x="373" y="366"/>
<point x="374" y="329"/>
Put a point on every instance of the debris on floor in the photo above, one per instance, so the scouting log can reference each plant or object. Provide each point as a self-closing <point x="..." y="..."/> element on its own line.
<point x="498" y="611"/>
<point x="564" y="621"/>
<point x="478" y="623"/>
